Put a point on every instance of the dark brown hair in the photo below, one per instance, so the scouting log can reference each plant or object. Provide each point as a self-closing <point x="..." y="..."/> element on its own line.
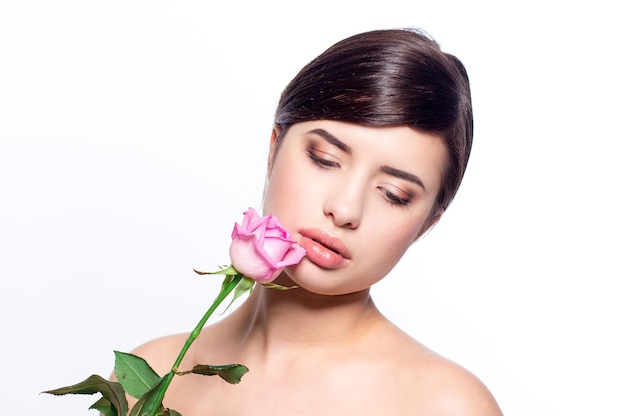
<point x="382" y="78"/>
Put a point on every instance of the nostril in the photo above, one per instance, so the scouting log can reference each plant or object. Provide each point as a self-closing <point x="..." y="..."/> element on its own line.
<point x="344" y="209"/>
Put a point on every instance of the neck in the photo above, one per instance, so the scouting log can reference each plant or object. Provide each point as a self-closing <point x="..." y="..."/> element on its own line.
<point x="281" y="320"/>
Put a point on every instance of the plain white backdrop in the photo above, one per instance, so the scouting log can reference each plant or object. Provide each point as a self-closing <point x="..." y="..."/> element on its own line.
<point x="134" y="134"/>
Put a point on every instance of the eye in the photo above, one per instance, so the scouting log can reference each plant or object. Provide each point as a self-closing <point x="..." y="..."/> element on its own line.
<point x="393" y="198"/>
<point x="321" y="159"/>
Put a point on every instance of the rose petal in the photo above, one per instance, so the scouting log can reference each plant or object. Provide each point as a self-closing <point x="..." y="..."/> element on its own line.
<point x="261" y="248"/>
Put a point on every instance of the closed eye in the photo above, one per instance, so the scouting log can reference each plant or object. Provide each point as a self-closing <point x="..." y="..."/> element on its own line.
<point x="393" y="198"/>
<point x="317" y="158"/>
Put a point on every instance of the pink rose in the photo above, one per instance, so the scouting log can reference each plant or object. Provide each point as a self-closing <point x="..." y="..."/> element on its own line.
<point x="261" y="248"/>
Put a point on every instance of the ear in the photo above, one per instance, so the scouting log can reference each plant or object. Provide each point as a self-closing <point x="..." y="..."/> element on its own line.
<point x="273" y="148"/>
<point x="428" y="225"/>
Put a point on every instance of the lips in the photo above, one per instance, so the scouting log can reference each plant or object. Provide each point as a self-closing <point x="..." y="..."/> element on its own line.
<point x="324" y="249"/>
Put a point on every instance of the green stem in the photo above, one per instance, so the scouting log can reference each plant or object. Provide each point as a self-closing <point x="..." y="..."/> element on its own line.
<point x="224" y="292"/>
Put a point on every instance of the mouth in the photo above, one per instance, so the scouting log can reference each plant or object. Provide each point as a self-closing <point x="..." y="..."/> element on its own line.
<point x="327" y="241"/>
<point x="325" y="245"/>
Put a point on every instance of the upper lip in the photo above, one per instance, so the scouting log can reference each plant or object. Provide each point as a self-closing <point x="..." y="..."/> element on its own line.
<point x="328" y="240"/>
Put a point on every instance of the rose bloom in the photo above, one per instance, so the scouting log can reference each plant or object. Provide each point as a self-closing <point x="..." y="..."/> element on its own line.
<point x="261" y="248"/>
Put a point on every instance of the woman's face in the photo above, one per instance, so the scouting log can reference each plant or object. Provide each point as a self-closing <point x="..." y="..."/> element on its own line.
<point x="354" y="197"/>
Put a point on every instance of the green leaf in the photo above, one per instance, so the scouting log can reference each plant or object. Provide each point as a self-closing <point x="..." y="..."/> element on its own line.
<point x="134" y="374"/>
<point x="105" y="407"/>
<point x="278" y="287"/>
<point x="245" y="285"/>
<point x="147" y="402"/>
<point x="171" y="412"/>
<point x="110" y="390"/>
<point x="232" y="373"/>
<point x="226" y="270"/>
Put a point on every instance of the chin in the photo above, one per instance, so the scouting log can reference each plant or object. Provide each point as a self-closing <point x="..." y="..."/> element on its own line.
<point x="312" y="279"/>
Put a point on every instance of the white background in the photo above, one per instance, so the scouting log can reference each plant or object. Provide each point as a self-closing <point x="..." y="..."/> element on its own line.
<point x="133" y="135"/>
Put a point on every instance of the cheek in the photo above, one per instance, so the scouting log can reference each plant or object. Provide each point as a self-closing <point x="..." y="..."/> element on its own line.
<point x="393" y="242"/>
<point x="397" y="243"/>
<point x="272" y="196"/>
<point x="284" y="184"/>
<point x="383" y="257"/>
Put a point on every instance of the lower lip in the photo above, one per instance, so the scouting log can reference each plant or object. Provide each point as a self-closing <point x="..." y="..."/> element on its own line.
<point x="321" y="255"/>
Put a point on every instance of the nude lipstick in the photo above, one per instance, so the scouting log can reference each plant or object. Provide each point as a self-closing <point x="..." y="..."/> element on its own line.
<point x="324" y="249"/>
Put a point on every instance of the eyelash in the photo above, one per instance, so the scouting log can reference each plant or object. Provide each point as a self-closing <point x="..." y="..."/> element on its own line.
<point x="391" y="198"/>
<point x="321" y="162"/>
<point x="394" y="199"/>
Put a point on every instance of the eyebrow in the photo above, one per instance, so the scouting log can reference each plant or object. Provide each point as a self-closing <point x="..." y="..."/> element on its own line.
<point x="404" y="175"/>
<point x="401" y="174"/>
<point x="332" y="140"/>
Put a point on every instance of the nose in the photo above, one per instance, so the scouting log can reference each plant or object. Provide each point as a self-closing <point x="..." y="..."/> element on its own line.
<point x="345" y="204"/>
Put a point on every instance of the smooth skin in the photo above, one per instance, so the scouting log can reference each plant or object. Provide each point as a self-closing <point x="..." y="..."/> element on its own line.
<point x="324" y="348"/>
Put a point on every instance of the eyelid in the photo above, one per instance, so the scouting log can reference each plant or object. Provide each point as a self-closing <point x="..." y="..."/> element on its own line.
<point x="317" y="156"/>
<point x="394" y="197"/>
<point x="321" y="161"/>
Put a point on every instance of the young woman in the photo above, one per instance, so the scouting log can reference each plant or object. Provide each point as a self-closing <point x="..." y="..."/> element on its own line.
<point x="370" y="143"/>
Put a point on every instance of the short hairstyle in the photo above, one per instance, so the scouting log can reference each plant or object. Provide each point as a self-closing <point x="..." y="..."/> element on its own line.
<point x="397" y="77"/>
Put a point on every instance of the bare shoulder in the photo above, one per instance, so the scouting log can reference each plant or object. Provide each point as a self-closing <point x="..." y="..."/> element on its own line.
<point x="453" y="390"/>
<point x="432" y="384"/>
<point x="160" y="353"/>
